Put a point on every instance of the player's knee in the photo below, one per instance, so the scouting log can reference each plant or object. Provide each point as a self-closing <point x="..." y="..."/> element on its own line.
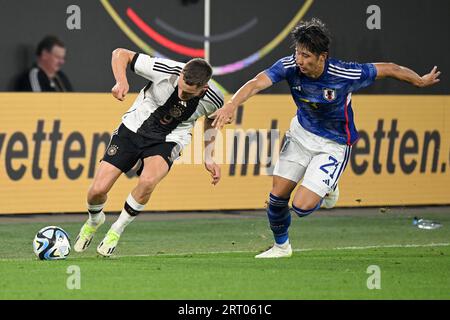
<point x="148" y="183"/>
<point x="305" y="205"/>
<point x="97" y="190"/>
<point x="280" y="193"/>
<point x="305" y="209"/>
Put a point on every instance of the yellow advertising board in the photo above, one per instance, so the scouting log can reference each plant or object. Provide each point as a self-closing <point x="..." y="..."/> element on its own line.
<point x="50" y="146"/>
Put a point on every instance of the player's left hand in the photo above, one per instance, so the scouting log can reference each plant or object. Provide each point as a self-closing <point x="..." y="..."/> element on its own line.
<point x="430" y="78"/>
<point x="214" y="169"/>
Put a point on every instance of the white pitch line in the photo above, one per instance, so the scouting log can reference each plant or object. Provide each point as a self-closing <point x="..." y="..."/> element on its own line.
<point x="394" y="246"/>
<point x="297" y="250"/>
<point x="442" y="244"/>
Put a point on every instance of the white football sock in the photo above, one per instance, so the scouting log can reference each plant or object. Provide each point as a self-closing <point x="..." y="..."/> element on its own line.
<point x="131" y="209"/>
<point x="283" y="245"/>
<point x="95" y="213"/>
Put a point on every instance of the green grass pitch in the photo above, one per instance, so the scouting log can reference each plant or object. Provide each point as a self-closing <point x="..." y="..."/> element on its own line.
<point x="213" y="258"/>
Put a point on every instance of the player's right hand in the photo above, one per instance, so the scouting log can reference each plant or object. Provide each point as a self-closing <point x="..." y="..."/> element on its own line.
<point x="223" y="116"/>
<point x="120" y="90"/>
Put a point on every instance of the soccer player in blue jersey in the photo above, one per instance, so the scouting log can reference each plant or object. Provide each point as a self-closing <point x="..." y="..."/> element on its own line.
<point x="320" y="138"/>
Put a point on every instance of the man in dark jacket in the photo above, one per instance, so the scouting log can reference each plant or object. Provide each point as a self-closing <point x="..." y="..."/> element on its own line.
<point x="46" y="74"/>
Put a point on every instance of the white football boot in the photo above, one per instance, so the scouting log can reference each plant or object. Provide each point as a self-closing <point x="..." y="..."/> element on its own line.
<point x="108" y="245"/>
<point x="86" y="235"/>
<point x="277" y="251"/>
<point x="330" y="199"/>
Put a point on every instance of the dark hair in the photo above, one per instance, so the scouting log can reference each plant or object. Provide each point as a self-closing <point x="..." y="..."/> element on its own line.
<point x="197" y="72"/>
<point x="48" y="43"/>
<point x="313" y="35"/>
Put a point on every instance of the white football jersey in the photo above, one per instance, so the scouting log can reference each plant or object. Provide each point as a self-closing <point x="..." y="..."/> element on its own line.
<point x="157" y="112"/>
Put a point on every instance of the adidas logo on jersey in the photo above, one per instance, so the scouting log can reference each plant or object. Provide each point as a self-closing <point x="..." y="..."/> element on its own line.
<point x="298" y="88"/>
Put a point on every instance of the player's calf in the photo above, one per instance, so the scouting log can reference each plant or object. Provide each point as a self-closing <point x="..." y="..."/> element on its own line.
<point x="279" y="221"/>
<point x="279" y="218"/>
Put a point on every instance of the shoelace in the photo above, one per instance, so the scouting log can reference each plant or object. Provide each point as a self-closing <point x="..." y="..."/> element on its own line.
<point x="87" y="230"/>
<point x="111" y="237"/>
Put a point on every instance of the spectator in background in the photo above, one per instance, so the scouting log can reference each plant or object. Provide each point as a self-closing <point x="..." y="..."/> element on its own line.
<point x="46" y="74"/>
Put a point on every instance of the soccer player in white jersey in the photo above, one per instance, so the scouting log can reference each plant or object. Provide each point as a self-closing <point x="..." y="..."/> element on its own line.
<point x="154" y="130"/>
<point x="318" y="143"/>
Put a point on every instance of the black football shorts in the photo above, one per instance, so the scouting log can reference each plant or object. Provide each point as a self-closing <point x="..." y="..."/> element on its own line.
<point x="126" y="148"/>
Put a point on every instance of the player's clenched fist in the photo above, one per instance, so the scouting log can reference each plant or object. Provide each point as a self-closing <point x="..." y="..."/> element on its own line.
<point x="120" y="90"/>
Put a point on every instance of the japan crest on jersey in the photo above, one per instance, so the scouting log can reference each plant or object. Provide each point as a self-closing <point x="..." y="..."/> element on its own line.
<point x="329" y="94"/>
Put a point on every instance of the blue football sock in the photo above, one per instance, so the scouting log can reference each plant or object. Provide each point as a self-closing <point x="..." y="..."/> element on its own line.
<point x="279" y="218"/>
<point x="303" y="213"/>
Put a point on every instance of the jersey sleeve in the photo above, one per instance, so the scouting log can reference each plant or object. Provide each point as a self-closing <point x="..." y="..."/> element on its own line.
<point x="366" y="78"/>
<point x="153" y="68"/>
<point x="142" y="65"/>
<point x="278" y="71"/>
<point x="214" y="100"/>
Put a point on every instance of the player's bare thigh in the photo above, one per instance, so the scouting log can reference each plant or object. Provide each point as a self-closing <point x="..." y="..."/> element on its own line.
<point x="104" y="179"/>
<point x="304" y="198"/>
<point x="155" y="169"/>
<point x="282" y="187"/>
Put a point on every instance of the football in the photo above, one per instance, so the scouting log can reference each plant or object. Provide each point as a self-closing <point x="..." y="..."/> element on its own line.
<point x="51" y="243"/>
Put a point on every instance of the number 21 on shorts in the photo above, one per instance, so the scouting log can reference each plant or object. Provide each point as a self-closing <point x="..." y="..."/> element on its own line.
<point x="333" y="163"/>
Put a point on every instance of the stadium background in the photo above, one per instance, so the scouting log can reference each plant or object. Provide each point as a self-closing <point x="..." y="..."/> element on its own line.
<point x="403" y="163"/>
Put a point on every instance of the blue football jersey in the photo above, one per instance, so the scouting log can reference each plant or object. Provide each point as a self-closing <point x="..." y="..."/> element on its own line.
<point x="324" y="105"/>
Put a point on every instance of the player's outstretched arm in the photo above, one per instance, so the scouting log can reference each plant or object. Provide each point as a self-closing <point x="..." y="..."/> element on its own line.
<point x="395" y="71"/>
<point x="119" y="63"/>
<point x="210" y="138"/>
<point x="225" y="114"/>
